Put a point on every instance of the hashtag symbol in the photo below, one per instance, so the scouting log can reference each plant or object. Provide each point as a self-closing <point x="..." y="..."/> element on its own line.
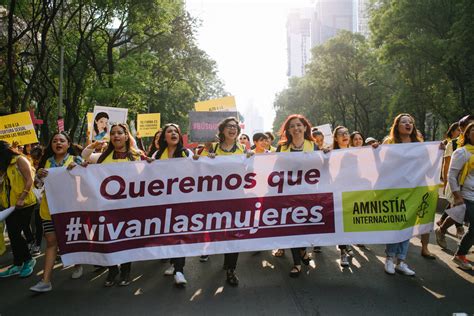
<point x="73" y="229"/>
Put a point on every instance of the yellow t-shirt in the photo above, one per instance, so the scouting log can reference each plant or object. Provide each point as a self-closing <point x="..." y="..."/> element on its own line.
<point x="14" y="184"/>
<point x="308" y="146"/>
<point x="238" y="149"/>
<point x="44" y="208"/>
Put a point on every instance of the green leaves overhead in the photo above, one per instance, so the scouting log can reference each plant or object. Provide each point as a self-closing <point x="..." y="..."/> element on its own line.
<point x="419" y="59"/>
<point x="136" y="54"/>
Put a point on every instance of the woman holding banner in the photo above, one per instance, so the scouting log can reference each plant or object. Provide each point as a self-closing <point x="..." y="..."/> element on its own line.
<point x="170" y="143"/>
<point x="17" y="190"/>
<point x="59" y="153"/>
<point x="403" y="130"/>
<point x="295" y="136"/>
<point x="228" y="144"/>
<point x="120" y="149"/>
<point x="342" y="140"/>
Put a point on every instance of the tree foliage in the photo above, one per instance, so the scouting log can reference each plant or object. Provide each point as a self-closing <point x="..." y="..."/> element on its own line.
<point x="141" y="55"/>
<point x="419" y="59"/>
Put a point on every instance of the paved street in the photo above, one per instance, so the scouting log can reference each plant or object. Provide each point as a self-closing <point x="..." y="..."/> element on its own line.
<point x="439" y="288"/>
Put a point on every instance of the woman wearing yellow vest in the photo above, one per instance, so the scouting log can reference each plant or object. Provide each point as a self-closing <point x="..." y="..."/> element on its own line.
<point x="170" y="144"/>
<point x="59" y="153"/>
<point x="16" y="190"/>
<point x="119" y="150"/>
<point x="295" y="136"/>
<point x="228" y="144"/>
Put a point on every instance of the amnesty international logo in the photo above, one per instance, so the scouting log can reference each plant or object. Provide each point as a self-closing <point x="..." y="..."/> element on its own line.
<point x="421" y="211"/>
<point x="389" y="209"/>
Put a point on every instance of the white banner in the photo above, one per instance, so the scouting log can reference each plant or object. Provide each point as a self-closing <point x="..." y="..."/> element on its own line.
<point x="107" y="214"/>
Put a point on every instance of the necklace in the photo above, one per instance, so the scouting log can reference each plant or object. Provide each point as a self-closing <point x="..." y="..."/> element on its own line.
<point x="227" y="149"/>
<point x="297" y="147"/>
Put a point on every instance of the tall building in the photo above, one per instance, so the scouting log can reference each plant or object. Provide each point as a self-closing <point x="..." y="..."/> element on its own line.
<point x="298" y="30"/>
<point x="308" y="27"/>
<point x="331" y="17"/>
<point x="362" y="15"/>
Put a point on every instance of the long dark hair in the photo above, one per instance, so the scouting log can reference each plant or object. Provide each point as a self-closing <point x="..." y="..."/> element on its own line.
<point x="48" y="152"/>
<point x="98" y="117"/>
<point x="353" y="135"/>
<point x="285" y="137"/>
<point x="153" y="147"/>
<point x="131" y="153"/>
<point x="395" y="134"/>
<point x="178" y="153"/>
<point x="6" y="155"/>
<point x="335" y="144"/>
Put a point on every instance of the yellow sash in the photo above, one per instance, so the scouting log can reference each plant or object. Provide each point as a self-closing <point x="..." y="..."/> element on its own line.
<point x="468" y="166"/>
<point x="219" y="152"/>
<point x="164" y="155"/>
<point x="110" y="158"/>
<point x="13" y="185"/>
<point x="308" y="146"/>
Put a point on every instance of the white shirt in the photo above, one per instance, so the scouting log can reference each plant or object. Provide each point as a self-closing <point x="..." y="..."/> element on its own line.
<point x="459" y="158"/>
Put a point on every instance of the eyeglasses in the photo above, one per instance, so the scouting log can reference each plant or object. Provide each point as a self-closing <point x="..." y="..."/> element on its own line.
<point x="231" y="126"/>
<point x="243" y="138"/>
<point x="343" y="133"/>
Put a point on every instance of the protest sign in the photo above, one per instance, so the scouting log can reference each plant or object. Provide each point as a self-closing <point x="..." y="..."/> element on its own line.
<point x="18" y="127"/>
<point x="107" y="214"/>
<point x="203" y="125"/>
<point x="148" y="124"/>
<point x="103" y="118"/>
<point x="222" y="104"/>
<point x="90" y="124"/>
<point x="327" y="132"/>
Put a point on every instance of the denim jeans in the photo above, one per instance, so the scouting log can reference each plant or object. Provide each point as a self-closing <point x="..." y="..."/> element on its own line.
<point x="468" y="238"/>
<point x="398" y="250"/>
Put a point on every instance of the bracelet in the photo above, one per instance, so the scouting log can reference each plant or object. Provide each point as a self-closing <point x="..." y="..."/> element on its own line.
<point x="26" y="191"/>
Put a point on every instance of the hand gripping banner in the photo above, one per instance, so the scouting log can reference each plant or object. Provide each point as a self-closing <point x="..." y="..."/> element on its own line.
<point x="115" y="213"/>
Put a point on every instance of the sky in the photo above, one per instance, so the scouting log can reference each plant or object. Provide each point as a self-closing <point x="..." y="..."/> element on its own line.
<point x="247" y="39"/>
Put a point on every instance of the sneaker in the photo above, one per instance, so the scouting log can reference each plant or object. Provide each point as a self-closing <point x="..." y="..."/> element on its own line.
<point x="460" y="232"/>
<point x="462" y="262"/>
<point x="403" y="268"/>
<point x="389" y="266"/>
<point x="204" y="258"/>
<point x="110" y="280"/>
<point x="169" y="271"/>
<point x="125" y="280"/>
<point x="179" y="279"/>
<point x="27" y="268"/>
<point x="41" y="287"/>
<point x="344" y="259"/>
<point x="11" y="271"/>
<point x="441" y="239"/>
<point x="232" y="278"/>
<point x="35" y="250"/>
<point x="31" y="244"/>
<point x="77" y="272"/>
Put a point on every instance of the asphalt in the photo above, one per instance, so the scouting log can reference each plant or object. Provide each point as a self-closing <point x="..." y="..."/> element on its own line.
<point x="324" y="288"/>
